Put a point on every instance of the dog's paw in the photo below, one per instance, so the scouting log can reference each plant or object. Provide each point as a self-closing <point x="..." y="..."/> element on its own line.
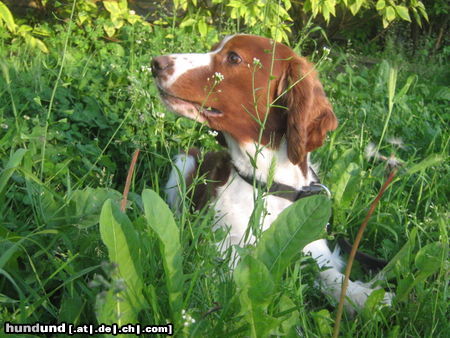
<point x="357" y="294"/>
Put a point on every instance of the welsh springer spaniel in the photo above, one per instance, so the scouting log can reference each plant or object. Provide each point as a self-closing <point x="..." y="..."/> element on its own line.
<point x="270" y="107"/>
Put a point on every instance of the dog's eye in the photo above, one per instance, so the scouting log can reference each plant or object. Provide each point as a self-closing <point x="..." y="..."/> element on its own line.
<point x="234" y="58"/>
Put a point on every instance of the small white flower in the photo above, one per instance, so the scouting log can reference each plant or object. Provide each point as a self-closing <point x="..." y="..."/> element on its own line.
<point x="326" y="50"/>
<point x="146" y="69"/>
<point x="4" y="126"/>
<point x="218" y="76"/>
<point x="257" y="62"/>
<point x="213" y="133"/>
<point x="138" y="42"/>
<point x="132" y="12"/>
<point x="26" y="117"/>
<point x="160" y="115"/>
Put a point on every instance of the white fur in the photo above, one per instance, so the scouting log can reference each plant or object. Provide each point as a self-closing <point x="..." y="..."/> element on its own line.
<point x="183" y="166"/>
<point x="235" y="203"/>
<point x="186" y="62"/>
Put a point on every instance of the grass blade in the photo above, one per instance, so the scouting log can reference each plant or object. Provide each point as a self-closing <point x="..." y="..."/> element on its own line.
<point x="9" y="169"/>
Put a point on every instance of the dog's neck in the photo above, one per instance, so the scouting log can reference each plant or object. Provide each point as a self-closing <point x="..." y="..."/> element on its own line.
<point x="285" y="171"/>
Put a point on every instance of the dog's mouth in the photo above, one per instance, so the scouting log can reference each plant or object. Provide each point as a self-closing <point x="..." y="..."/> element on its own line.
<point x="190" y="109"/>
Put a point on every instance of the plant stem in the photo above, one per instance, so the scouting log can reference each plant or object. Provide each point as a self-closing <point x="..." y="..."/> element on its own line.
<point x="351" y="258"/>
<point x="123" y="203"/>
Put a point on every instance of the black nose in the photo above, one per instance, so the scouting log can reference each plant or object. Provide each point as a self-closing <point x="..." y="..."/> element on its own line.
<point x="161" y="64"/>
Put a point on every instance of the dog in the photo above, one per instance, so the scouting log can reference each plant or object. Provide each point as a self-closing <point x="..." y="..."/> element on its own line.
<point x="272" y="112"/>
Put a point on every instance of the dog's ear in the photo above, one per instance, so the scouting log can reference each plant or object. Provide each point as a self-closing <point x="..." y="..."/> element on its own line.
<point x="309" y="115"/>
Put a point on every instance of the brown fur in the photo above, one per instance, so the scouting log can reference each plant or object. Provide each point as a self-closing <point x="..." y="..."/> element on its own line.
<point x="215" y="169"/>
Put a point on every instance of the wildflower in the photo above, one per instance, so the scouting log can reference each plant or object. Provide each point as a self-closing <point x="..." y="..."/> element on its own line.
<point x="213" y="133"/>
<point x="138" y="42"/>
<point x="326" y="50"/>
<point x="132" y="12"/>
<point x="146" y="69"/>
<point x="218" y="76"/>
<point x="160" y="115"/>
<point x="257" y="62"/>
<point x="26" y="117"/>
<point x="4" y="126"/>
<point x="188" y="320"/>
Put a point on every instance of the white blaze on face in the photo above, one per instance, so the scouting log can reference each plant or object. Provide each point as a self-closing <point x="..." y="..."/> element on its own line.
<point x="183" y="63"/>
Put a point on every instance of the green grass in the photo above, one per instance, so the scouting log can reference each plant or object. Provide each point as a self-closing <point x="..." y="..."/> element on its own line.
<point x="54" y="265"/>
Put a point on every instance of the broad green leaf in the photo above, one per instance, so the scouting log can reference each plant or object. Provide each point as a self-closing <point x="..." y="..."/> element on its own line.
<point x="7" y="17"/>
<point x="423" y="11"/>
<point x="432" y="160"/>
<point x="343" y="182"/>
<point x="202" y="28"/>
<point x="187" y="23"/>
<point x="253" y="276"/>
<point x="23" y="29"/>
<point x="355" y="6"/>
<point x="403" y="13"/>
<point x="123" y="245"/>
<point x="299" y="224"/>
<point x="430" y="257"/>
<point x="112" y="6"/>
<point x="40" y="45"/>
<point x="380" y="5"/>
<point x="256" y="290"/>
<point x="109" y="28"/>
<point x="402" y="259"/>
<point x="372" y="304"/>
<point x="428" y="261"/>
<point x="390" y="13"/>
<point x="404" y="287"/>
<point x="85" y="205"/>
<point x="160" y="220"/>
<point x="344" y="177"/>
<point x="324" y="322"/>
<point x="11" y="166"/>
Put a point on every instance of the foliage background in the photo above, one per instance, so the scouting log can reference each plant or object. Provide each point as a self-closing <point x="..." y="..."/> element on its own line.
<point x="77" y="98"/>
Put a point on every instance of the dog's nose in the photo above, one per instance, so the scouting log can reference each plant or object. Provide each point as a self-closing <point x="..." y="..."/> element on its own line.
<point x="160" y="64"/>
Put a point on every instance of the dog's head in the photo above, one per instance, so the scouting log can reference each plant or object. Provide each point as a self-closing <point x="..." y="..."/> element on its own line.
<point x="245" y="84"/>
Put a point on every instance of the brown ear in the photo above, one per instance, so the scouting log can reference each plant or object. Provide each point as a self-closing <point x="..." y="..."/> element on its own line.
<point x="310" y="115"/>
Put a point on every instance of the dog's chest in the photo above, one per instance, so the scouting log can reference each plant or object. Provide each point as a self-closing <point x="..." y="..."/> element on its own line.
<point x="234" y="205"/>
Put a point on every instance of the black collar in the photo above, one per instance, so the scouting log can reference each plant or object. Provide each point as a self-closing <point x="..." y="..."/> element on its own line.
<point x="286" y="191"/>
